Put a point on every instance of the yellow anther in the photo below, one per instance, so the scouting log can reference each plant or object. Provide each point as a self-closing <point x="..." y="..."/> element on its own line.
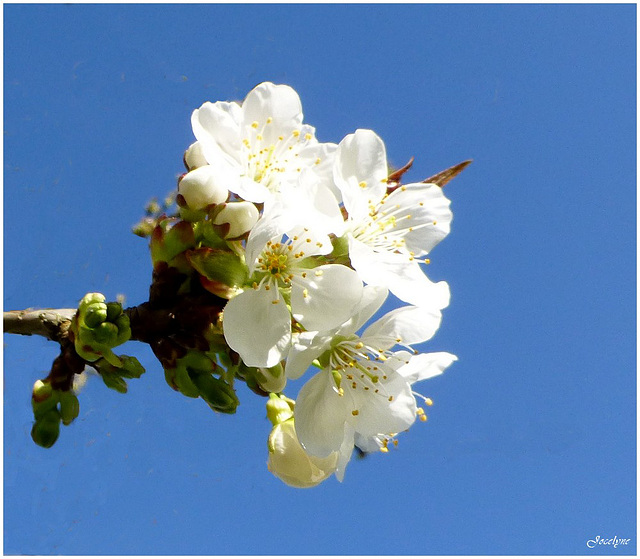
<point x="318" y="273"/>
<point x="359" y="345"/>
<point x="428" y="401"/>
<point x="305" y="293"/>
<point x="318" y="161"/>
<point x="269" y="120"/>
<point x="259" y="137"/>
<point x="280" y="138"/>
<point x="435" y="223"/>
<point x="395" y="442"/>
<point x="254" y="124"/>
<point x="427" y="261"/>
<point x="362" y="184"/>
<point x="355" y="412"/>
<point x="390" y="398"/>
<point x="403" y="188"/>
<point x="296" y="133"/>
<point x="275" y="302"/>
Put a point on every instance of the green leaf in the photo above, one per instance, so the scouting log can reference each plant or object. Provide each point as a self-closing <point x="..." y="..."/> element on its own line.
<point x="218" y="265"/>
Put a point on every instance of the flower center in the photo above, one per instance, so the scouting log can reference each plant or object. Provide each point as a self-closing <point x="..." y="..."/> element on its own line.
<point x="386" y="227"/>
<point x="269" y="157"/>
<point x="355" y="366"/>
<point x="281" y="260"/>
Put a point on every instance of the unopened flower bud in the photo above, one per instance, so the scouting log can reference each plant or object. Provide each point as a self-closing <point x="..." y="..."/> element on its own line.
<point x="272" y="379"/>
<point x="241" y="217"/>
<point x="114" y="310"/>
<point x="217" y="393"/>
<point x="289" y="462"/>
<point x="194" y="157"/>
<point x="202" y="187"/>
<point x="46" y="429"/>
<point x="41" y="391"/>
<point x="69" y="406"/>
<point x="95" y="314"/>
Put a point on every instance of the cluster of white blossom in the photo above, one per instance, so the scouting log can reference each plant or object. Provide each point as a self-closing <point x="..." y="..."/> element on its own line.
<point x="325" y="236"/>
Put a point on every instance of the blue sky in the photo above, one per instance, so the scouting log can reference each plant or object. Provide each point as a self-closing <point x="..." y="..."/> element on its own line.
<point x="530" y="447"/>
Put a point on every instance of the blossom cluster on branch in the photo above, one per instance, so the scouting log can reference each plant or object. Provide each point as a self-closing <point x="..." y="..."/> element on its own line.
<point x="280" y="254"/>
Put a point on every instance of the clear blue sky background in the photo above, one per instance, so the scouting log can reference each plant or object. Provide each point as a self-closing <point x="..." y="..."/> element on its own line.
<point x="530" y="447"/>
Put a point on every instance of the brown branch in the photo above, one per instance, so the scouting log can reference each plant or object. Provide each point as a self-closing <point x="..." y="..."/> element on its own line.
<point x="53" y="324"/>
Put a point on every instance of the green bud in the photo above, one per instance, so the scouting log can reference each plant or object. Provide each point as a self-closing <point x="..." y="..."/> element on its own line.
<point x="44" y="398"/>
<point x="217" y="393"/>
<point x="114" y="310"/>
<point x="168" y="242"/>
<point x="94" y="315"/>
<point x="69" y="406"/>
<point x="272" y="379"/>
<point x="106" y="334"/>
<point x="124" y="329"/>
<point x="41" y="391"/>
<point x="198" y="361"/>
<point x="90" y="299"/>
<point x="46" y="429"/>
<point x="184" y="383"/>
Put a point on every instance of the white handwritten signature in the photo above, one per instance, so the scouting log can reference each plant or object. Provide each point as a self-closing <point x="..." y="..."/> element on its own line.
<point x="615" y="541"/>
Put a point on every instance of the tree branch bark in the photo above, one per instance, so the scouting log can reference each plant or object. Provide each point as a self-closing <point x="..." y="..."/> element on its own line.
<point x="53" y="324"/>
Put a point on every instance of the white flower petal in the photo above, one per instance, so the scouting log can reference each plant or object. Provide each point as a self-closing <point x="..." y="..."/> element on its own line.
<point x="403" y="277"/>
<point x="305" y="347"/>
<point x="426" y="215"/>
<point x="391" y="410"/>
<point x="320" y="414"/>
<point x="405" y="325"/>
<point x="217" y="127"/>
<point x="345" y="452"/>
<point x="368" y="444"/>
<point x="360" y="171"/>
<point x="324" y="297"/>
<point x="257" y="325"/>
<point x="320" y="157"/>
<point x="280" y="103"/>
<point x="250" y="190"/>
<point x="373" y="297"/>
<point x="426" y="365"/>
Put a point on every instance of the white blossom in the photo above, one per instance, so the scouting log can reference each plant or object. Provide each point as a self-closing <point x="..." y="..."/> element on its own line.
<point x="261" y="146"/>
<point x="361" y="390"/>
<point x="389" y="233"/>
<point x="257" y="322"/>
